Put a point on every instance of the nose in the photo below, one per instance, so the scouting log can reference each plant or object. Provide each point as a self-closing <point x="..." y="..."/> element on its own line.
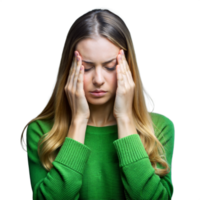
<point x="98" y="77"/>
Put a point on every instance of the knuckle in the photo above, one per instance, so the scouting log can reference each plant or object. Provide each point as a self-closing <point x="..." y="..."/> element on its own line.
<point x="76" y="94"/>
<point x="69" y="90"/>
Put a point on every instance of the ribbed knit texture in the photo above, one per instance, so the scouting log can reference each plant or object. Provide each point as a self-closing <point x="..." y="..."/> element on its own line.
<point x="103" y="168"/>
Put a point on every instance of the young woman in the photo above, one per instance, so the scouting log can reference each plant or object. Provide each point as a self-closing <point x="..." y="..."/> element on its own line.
<point x="102" y="144"/>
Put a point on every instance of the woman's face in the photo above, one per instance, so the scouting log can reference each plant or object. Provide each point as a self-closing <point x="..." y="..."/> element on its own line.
<point x="96" y="73"/>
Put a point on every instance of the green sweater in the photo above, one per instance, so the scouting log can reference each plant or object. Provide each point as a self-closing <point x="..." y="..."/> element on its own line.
<point x="103" y="168"/>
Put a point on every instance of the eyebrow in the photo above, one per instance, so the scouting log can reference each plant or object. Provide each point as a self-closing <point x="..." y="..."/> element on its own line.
<point x="102" y="63"/>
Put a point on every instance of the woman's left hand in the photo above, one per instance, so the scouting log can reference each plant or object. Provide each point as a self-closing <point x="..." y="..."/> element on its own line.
<point x="125" y="90"/>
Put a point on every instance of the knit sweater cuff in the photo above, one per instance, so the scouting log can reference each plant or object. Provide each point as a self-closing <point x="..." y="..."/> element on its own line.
<point x="73" y="154"/>
<point x="129" y="149"/>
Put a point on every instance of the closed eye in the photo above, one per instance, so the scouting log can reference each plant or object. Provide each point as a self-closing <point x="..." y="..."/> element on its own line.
<point x="109" y="69"/>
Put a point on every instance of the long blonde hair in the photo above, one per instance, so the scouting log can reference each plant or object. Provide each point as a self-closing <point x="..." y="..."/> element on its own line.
<point x="104" y="23"/>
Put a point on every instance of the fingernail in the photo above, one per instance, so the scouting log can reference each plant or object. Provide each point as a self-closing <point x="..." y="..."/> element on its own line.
<point x="122" y="52"/>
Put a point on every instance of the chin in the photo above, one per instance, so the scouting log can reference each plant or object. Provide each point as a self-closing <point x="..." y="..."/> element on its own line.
<point x="97" y="100"/>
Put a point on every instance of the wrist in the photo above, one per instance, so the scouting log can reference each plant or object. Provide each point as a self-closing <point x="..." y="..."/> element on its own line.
<point x="79" y="120"/>
<point x="123" y="119"/>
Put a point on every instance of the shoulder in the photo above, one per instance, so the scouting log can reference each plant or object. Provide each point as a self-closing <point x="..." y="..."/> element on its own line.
<point x="163" y="126"/>
<point x="38" y="128"/>
<point x="160" y="119"/>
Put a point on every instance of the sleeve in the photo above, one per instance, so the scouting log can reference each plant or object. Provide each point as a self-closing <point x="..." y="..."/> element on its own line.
<point x="137" y="174"/>
<point x="64" y="180"/>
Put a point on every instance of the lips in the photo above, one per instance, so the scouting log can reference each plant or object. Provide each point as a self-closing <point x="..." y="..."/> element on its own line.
<point x="98" y="94"/>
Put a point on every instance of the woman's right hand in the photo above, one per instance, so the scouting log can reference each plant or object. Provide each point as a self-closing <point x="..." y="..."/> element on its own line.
<point x="74" y="90"/>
